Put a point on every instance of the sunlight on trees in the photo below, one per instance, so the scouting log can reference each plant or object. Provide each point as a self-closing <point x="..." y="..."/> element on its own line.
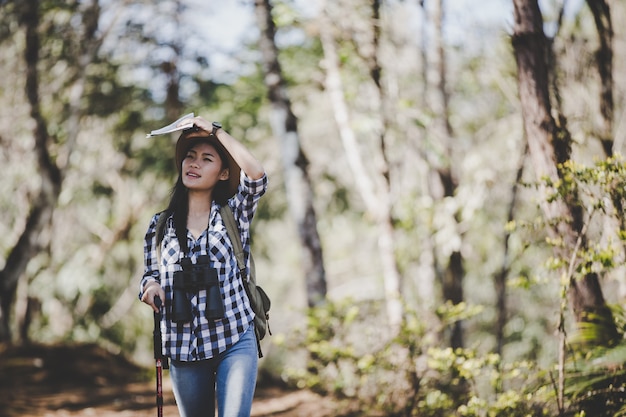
<point x="447" y="230"/>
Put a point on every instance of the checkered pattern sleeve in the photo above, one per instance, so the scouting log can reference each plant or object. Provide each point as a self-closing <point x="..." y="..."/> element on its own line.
<point x="244" y="205"/>
<point x="151" y="270"/>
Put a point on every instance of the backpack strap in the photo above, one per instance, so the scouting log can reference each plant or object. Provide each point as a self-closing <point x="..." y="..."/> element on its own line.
<point x="233" y="233"/>
<point x="161" y="223"/>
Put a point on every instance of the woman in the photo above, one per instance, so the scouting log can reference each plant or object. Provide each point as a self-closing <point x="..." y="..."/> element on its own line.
<point x="188" y="256"/>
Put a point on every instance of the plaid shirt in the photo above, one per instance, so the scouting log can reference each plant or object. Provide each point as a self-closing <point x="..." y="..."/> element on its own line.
<point x="202" y="338"/>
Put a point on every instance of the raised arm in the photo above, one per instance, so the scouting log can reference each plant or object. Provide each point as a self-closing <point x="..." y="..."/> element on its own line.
<point x="248" y="163"/>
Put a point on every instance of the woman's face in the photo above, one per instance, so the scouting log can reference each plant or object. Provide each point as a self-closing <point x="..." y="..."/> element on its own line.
<point x="202" y="168"/>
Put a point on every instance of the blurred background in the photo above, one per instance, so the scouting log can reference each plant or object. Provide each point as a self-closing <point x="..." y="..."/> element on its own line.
<point x="443" y="232"/>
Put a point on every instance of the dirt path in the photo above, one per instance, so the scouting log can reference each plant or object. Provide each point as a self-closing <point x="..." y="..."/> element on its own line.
<point x="138" y="400"/>
<point x="87" y="381"/>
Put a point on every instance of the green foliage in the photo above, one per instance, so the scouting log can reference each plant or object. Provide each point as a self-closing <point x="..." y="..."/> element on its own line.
<point x="594" y="371"/>
<point x="450" y="313"/>
<point x="116" y="182"/>
<point x="411" y="375"/>
<point x="596" y="378"/>
<point x="599" y="193"/>
<point x="337" y="363"/>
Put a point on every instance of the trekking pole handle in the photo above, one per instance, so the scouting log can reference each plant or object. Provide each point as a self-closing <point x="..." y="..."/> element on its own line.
<point x="156" y="334"/>
<point x="158" y="356"/>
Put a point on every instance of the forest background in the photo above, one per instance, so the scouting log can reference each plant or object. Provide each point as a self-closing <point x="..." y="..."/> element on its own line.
<point x="443" y="230"/>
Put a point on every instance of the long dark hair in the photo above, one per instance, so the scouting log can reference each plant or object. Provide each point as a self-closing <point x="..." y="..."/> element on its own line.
<point x="178" y="206"/>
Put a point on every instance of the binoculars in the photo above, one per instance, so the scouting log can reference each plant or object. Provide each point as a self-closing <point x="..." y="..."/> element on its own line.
<point x="192" y="278"/>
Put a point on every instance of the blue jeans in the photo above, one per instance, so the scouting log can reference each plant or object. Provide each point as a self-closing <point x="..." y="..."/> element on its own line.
<point x="232" y="374"/>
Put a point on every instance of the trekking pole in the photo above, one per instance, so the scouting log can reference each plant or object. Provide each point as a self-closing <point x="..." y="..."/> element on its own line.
<point x="161" y="361"/>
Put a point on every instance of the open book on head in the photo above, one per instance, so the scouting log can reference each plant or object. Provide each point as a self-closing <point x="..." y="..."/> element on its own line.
<point x="174" y="127"/>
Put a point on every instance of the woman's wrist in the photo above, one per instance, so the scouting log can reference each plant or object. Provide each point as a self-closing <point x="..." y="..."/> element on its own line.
<point x="150" y="284"/>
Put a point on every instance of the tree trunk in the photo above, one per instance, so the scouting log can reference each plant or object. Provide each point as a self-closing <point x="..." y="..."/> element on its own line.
<point x="604" y="58"/>
<point x="454" y="266"/>
<point x="173" y="104"/>
<point x="295" y="164"/>
<point x="36" y="235"/>
<point x="377" y="198"/>
<point x="549" y="144"/>
<point x="32" y="240"/>
<point x="501" y="277"/>
<point x="391" y="270"/>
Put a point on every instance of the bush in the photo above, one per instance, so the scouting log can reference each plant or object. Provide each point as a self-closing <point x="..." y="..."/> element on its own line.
<point x="351" y="358"/>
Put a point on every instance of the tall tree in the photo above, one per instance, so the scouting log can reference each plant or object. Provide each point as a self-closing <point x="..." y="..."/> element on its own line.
<point x="452" y="269"/>
<point x="549" y="144"/>
<point x="500" y="278"/>
<point x="374" y="186"/>
<point x="51" y="166"/>
<point x="69" y="91"/>
<point x="604" y="59"/>
<point x="391" y="270"/>
<point x="295" y="163"/>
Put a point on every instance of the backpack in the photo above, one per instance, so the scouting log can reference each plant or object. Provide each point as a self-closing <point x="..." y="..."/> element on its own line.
<point x="259" y="301"/>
